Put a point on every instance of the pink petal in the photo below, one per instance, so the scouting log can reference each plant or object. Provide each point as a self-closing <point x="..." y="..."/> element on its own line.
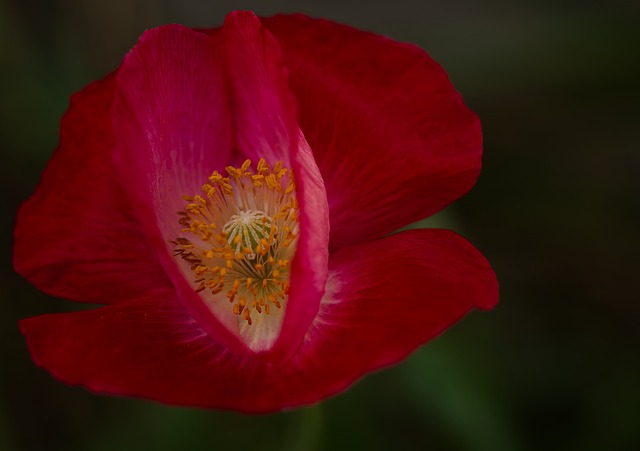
<point x="392" y="138"/>
<point x="172" y="122"/>
<point x="309" y="270"/>
<point x="173" y="129"/>
<point x="77" y="237"/>
<point x="266" y="127"/>
<point x="386" y="298"/>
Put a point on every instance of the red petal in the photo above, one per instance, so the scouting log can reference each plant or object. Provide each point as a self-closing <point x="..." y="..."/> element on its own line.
<point x="387" y="297"/>
<point x="265" y="118"/>
<point x="263" y="108"/>
<point x="77" y="236"/>
<point x="391" y="136"/>
<point x="152" y="349"/>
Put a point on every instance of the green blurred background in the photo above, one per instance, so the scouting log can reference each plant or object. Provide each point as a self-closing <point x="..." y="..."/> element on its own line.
<point x="554" y="367"/>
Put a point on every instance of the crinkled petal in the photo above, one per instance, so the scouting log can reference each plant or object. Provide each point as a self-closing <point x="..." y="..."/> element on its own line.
<point x="385" y="299"/>
<point x="392" y="138"/>
<point x="77" y="237"/>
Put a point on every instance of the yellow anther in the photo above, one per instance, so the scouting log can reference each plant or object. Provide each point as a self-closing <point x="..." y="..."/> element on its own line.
<point x="290" y="188"/>
<point x="233" y="172"/>
<point x="270" y="180"/>
<point x="262" y="166"/>
<point x="194" y="209"/>
<point x="209" y="190"/>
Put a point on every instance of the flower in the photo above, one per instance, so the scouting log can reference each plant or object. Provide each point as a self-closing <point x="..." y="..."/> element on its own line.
<point x="229" y="194"/>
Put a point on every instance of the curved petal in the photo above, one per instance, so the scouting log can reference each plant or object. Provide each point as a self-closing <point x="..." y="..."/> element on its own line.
<point x="265" y="122"/>
<point x="173" y="129"/>
<point x="386" y="298"/>
<point x="309" y="270"/>
<point x="152" y="348"/>
<point x="172" y="122"/>
<point x="392" y="138"/>
<point x="77" y="236"/>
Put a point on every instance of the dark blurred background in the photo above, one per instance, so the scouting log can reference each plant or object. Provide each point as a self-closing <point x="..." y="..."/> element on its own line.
<point x="554" y="367"/>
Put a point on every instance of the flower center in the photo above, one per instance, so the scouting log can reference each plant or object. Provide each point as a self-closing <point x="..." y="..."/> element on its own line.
<point x="240" y="237"/>
<point x="251" y="226"/>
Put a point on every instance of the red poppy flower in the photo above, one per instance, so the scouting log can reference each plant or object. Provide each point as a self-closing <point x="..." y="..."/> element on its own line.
<point x="229" y="195"/>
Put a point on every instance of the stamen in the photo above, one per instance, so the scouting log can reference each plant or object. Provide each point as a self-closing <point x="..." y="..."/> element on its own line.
<point x="240" y="237"/>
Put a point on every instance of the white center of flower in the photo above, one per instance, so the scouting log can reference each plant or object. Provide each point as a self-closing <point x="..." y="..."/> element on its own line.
<point x="247" y="260"/>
